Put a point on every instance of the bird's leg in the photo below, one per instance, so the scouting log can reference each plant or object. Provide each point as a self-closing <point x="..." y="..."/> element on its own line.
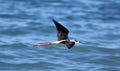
<point x="45" y="44"/>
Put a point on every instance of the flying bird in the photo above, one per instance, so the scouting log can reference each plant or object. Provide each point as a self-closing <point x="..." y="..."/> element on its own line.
<point x="62" y="35"/>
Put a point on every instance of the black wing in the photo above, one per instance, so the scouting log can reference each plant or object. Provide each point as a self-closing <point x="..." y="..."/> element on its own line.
<point x="62" y="31"/>
<point x="70" y="44"/>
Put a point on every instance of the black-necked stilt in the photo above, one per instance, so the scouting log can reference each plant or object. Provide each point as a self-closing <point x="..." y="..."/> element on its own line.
<point x="62" y="34"/>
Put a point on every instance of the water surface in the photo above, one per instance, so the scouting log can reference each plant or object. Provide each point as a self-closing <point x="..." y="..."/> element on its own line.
<point x="26" y="22"/>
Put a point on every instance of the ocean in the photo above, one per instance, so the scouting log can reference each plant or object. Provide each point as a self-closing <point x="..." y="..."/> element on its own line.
<point x="23" y="23"/>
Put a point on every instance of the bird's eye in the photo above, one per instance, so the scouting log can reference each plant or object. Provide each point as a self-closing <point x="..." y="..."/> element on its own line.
<point x="76" y="40"/>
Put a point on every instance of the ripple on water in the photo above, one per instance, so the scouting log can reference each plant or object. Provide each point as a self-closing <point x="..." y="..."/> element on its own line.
<point x="26" y="22"/>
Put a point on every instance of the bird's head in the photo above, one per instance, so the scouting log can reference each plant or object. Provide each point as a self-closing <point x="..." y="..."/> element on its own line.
<point x="76" y="41"/>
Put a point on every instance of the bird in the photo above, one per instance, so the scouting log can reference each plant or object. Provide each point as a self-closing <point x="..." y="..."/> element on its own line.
<point x="62" y="37"/>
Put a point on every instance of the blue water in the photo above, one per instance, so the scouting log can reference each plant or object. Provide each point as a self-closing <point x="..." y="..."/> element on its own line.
<point x="23" y="23"/>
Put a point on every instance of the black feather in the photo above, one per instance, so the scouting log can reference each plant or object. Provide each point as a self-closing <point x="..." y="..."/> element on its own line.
<point x="62" y="31"/>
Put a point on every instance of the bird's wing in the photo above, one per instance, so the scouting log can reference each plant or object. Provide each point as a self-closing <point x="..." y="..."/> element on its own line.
<point x="70" y="44"/>
<point x="62" y="31"/>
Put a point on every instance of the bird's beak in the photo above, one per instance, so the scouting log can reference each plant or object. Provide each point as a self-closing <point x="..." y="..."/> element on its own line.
<point x="79" y="41"/>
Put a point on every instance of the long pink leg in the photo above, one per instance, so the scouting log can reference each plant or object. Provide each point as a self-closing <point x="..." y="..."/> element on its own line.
<point x="44" y="44"/>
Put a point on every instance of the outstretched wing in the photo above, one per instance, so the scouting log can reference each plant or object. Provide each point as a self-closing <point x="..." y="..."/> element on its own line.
<point x="62" y="31"/>
<point x="70" y="44"/>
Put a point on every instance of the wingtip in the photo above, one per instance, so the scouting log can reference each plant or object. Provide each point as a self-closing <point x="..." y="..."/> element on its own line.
<point x="69" y="47"/>
<point x="53" y="20"/>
